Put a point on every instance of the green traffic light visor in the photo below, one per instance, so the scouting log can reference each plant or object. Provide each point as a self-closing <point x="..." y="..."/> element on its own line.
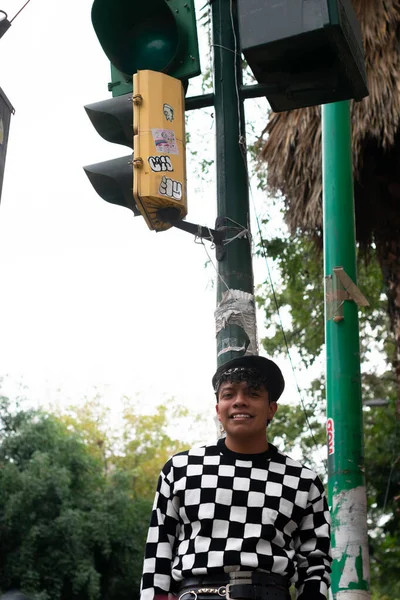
<point x="137" y="34"/>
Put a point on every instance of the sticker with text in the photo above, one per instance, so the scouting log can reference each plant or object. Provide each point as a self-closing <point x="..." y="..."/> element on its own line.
<point x="171" y="188"/>
<point x="330" y="428"/>
<point x="160" y="163"/>
<point x="165" y="141"/>
<point x="168" y="112"/>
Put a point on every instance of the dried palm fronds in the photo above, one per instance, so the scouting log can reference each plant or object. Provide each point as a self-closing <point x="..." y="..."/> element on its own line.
<point x="292" y="149"/>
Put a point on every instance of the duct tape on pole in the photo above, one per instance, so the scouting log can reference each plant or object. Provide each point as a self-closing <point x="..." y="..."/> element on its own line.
<point x="6" y="110"/>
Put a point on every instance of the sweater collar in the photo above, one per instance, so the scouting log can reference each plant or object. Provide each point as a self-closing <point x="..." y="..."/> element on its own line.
<point x="261" y="456"/>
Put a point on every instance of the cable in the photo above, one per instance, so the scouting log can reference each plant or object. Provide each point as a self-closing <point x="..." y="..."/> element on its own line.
<point x="395" y="459"/>
<point x="224" y="48"/>
<point x="264" y="253"/>
<point x="215" y="268"/>
<point x="20" y="10"/>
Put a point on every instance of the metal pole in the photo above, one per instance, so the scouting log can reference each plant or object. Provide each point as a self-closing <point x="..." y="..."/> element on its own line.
<point x="346" y="482"/>
<point x="235" y="315"/>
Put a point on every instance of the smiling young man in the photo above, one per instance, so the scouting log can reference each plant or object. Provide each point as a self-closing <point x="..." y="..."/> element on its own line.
<point x="239" y="519"/>
<point x="244" y="409"/>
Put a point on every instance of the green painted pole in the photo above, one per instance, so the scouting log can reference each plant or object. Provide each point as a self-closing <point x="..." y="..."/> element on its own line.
<point x="235" y="314"/>
<point x="346" y="482"/>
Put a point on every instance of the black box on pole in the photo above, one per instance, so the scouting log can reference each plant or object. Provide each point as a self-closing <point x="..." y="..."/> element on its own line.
<point x="311" y="50"/>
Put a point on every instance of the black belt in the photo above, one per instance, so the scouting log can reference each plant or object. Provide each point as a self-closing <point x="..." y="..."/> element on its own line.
<point x="249" y="585"/>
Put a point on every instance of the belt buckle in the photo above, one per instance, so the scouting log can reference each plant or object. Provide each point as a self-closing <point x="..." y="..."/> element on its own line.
<point x="248" y="583"/>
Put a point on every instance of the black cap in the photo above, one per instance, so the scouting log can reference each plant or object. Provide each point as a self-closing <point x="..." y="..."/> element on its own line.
<point x="269" y="372"/>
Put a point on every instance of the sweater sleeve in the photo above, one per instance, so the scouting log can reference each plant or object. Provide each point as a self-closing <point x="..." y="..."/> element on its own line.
<point x="161" y="539"/>
<point x="313" y="549"/>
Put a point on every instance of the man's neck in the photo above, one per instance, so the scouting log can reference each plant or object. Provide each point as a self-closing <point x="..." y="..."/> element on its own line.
<point x="252" y="446"/>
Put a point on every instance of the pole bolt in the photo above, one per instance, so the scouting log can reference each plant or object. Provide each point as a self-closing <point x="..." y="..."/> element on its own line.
<point x="338" y="318"/>
<point x="138" y="163"/>
<point x="137" y="99"/>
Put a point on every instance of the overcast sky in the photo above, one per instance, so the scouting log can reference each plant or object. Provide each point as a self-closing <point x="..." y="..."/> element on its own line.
<point x="90" y="297"/>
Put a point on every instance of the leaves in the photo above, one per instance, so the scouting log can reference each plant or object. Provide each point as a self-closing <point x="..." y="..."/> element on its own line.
<point x="299" y="296"/>
<point x="76" y="498"/>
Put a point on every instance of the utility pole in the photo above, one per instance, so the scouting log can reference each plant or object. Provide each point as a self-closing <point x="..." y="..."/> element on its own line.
<point x="346" y="481"/>
<point x="235" y="314"/>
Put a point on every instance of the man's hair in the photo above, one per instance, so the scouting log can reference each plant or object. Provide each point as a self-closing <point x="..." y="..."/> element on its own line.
<point x="256" y="370"/>
<point x="252" y="377"/>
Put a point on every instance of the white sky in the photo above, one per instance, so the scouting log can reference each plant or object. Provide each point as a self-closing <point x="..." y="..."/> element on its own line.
<point x="90" y="297"/>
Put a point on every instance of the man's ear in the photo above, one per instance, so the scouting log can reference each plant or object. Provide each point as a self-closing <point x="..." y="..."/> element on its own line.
<point x="217" y="411"/>
<point x="272" y="408"/>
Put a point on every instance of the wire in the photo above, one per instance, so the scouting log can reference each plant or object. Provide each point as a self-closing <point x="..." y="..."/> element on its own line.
<point x="20" y="10"/>
<point x="265" y="256"/>
<point x="224" y="48"/>
<point x="215" y="268"/>
<point x="395" y="459"/>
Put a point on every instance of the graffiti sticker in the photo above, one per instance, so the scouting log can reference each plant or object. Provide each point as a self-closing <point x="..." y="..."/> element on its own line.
<point x="168" y="112"/>
<point x="171" y="188"/>
<point x="165" y="141"/>
<point x="160" y="163"/>
<point x="330" y="428"/>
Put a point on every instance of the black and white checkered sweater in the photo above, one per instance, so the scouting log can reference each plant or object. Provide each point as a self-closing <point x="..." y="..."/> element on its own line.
<point x="216" y="511"/>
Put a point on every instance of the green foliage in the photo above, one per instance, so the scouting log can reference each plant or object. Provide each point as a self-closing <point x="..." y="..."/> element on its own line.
<point x="300" y="298"/>
<point x="148" y="445"/>
<point x="138" y="445"/>
<point x="300" y="295"/>
<point x="300" y="429"/>
<point x="75" y="499"/>
<point x="382" y="468"/>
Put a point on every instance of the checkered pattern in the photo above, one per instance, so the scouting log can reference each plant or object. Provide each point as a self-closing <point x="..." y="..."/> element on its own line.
<point x="216" y="511"/>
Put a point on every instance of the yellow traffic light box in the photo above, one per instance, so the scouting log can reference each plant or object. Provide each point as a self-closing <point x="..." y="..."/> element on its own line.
<point x="159" y="149"/>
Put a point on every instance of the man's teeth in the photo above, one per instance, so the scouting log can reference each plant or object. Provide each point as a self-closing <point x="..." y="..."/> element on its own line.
<point x="241" y="417"/>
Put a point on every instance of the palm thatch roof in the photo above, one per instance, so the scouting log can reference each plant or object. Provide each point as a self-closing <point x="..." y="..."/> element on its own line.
<point x="292" y="148"/>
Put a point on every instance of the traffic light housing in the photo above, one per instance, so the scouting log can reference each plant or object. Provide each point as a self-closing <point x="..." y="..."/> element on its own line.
<point x="152" y="182"/>
<point x="308" y="52"/>
<point x="157" y="35"/>
<point x="112" y="179"/>
<point x="159" y="183"/>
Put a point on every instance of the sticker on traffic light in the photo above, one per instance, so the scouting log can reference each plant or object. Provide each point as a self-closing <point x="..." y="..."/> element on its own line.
<point x="159" y="179"/>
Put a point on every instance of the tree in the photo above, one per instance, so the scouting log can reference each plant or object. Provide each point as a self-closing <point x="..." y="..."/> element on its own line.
<point x="66" y="530"/>
<point x="138" y="444"/>
<point x="299" y="296"/>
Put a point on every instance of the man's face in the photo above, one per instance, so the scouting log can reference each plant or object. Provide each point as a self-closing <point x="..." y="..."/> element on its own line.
<point x="244" y="411"/>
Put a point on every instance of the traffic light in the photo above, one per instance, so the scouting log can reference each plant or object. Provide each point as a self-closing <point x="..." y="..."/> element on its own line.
<point x="159" y="183"/>
<point x="309" y="52"/>
<point x="157" y="35"/>
<point x="112" y="179"/>
<point x="152" y="182"/>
